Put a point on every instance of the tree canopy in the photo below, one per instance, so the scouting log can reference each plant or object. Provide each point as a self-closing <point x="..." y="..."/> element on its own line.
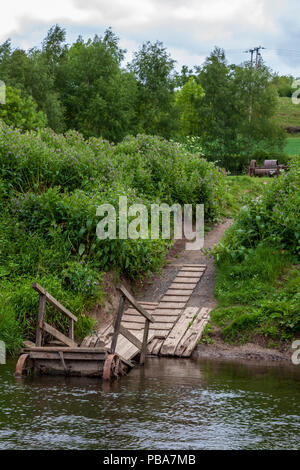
<point x="87" y="86"/>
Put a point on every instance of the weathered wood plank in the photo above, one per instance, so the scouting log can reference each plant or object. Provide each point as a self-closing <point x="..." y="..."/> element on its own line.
<point x="195" y="265"/>
<point x="76" y="350"/>
<point x="151" y="345"/>
<point x="145" y="342"/>
<point x="178" y="330"/>
<point x="160" y="334"/>
<point x="57" y="334"/>
<point x="79" y="368"/>
<point x="157" y="347"/>
<point x="165" y="319"/>
<point x="179" y="285"/>
<point x="128" y="335"/>
<point x="175" y="298"/>
<point x="179" y="292"/>
<point x="117" y="324"/>
<point x="170" y="305"/>
<point x="132" y="326"/>
<point x="167" y="311"/>
<point x="192" y="269"/>
<point x="156" y="325"/>
<point x="40" y="319"/>
<point x="186" y="280"/>
<point x="126" y="349"/>
<point x="149" y="305"/>
<point x="157" y="318"/>
<point x="84" y="356"/>
<point x="193" y="334"/>
<point x="133" y="318"/>
<point x="189" y="274"/>
<point x="135" y="303"/>
<point x="71" y="329"/>
<point x="181" y="265"/>
<point x="53" y="301"/>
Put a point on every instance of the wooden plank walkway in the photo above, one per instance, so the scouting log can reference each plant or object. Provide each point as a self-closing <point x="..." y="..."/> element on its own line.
<point x="176" y="328"/>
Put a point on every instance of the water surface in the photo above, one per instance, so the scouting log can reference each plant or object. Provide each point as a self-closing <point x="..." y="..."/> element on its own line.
<point x="168" y="404"/>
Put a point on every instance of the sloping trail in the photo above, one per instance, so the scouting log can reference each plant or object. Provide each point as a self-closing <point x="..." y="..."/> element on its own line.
<point x="203" y="294"/>
<point x="180" y="300"/>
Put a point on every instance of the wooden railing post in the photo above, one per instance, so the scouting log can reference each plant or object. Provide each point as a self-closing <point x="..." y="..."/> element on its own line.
<point x="145" y="342"/>
<point x="117" y="325"/>
<point x="43" y="326"/>
<point x="40" y="319"/>
<point x="71" y="329"/>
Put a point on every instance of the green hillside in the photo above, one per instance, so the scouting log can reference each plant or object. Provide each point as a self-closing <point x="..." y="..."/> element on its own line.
<point x="288" y="113"/>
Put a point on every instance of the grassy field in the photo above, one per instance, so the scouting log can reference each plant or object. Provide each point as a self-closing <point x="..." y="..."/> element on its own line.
<point x="288" y="113"/>
<point x="292" y="146"/>
<point x="239" y="189"/>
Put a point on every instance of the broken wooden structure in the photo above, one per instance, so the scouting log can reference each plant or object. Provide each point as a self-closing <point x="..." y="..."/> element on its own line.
<point x="65" y="357"/>
<point x="176" y="327"/>
<point x="168" y="327"/>
<point x="270" y="168"/>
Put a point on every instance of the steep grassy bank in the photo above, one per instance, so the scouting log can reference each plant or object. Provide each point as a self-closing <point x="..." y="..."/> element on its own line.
<point x="50" y="188"/>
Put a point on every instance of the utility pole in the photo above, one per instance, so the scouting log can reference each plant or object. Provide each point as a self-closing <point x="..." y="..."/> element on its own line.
<point x="257" y="56"/>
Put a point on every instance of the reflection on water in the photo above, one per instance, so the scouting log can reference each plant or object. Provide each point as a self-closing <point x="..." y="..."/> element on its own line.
<point x="168" y="404"/>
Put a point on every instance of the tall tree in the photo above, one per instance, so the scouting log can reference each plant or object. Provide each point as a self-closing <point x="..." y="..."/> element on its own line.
<point x="97" y="94"/>
<point x="189" y="100"/>
<point x="21" y="112"/>
<point x="154" y="70"/>
<point x="257" y="99"/>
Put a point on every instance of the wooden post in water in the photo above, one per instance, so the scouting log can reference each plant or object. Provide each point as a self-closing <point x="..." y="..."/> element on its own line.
<point x="117" y="325"/>
<point x="40" y="319"/>
<point x="145" y="341"/>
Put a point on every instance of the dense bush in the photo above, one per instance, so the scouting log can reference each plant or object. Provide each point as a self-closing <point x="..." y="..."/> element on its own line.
<point x="272" y="219"/>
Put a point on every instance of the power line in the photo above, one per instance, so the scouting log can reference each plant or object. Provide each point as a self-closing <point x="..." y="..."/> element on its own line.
<point x="253" y="50"/>
<point x="257" y="55"/>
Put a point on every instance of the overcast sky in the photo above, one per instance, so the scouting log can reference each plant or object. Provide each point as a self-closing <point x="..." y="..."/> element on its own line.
<point x="188" y="28"/>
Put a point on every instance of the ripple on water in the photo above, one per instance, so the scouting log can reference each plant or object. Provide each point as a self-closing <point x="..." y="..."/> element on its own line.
<point x="194" y="405"/>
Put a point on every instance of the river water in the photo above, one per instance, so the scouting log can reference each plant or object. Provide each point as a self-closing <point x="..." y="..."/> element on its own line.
<point x="168" y="404"/>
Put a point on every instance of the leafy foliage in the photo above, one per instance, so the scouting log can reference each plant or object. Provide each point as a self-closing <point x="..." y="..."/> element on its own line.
<point x="21" y="112"/>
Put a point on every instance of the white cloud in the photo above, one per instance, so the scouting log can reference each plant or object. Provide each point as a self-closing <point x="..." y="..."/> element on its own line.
<point x="189" y="28"/>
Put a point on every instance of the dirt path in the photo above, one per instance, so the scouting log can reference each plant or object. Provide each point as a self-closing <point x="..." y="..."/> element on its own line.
<point x="202" y="296"/>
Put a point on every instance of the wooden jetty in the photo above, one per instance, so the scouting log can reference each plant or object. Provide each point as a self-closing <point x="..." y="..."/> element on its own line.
<point x="168" y="327"/>
<point x="66" y="357"/>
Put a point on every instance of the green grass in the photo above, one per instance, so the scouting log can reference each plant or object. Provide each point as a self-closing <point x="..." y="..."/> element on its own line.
<point x="292" y="146"/>
<point x="258" y="298"/>
<point x="288" y="113"/>
<point x="239" y="189"/>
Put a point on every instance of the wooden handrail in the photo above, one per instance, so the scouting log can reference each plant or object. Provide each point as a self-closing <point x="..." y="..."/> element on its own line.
<point x="58" y="335"/>
<point x="53" y="301"/>
<point x="135" y="304"/>
<point x="42" y="325"/>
